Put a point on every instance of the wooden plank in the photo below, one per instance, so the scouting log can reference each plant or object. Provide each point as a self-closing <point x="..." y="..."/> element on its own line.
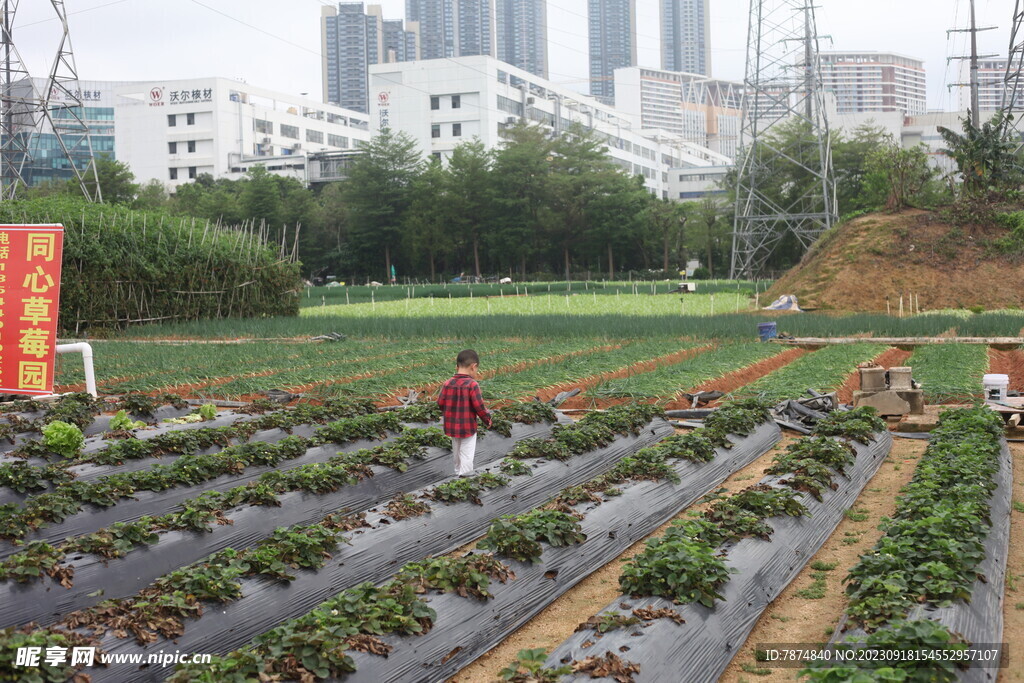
<point x="902" y="341"/>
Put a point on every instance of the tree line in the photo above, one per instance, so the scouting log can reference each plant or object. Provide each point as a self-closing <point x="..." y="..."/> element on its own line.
<point x="537" y="206"/>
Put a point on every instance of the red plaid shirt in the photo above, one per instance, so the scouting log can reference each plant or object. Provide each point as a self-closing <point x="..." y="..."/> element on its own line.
<point x="462" y="404"/>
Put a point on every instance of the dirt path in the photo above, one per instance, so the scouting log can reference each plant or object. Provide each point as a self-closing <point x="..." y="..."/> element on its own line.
<point x="1013" y="602"/>
<point x="737" y="379"/>
<point x="890" y="358"/>
<point x="558" y="621"/>
<point x="1008" y="363"/>
<point x="798" y="615"/>
<point x="638" y="368"/>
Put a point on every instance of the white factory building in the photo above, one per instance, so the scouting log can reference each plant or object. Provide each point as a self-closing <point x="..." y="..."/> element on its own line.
<point x="173" y="131"/>
<point x="444" y="103"/>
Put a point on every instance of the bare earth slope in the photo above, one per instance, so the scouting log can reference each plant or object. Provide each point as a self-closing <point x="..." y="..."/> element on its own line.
<point x="857" y="265"/>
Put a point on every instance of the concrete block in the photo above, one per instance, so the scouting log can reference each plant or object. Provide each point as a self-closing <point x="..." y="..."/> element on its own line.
<point x="900" y="379"/>
<point x="872" y="379"/>
<point x="915" y="397"/>
<point x="885" y="402"/>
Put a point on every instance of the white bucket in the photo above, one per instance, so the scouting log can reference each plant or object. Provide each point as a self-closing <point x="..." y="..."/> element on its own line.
<point x="995" y="387"/>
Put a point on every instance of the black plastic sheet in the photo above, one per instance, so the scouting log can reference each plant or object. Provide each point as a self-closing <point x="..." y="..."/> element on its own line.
<point x="466" y="628"/>
<point x="373" y="556"/>
<point x="700" y="649"/>
<point x="96" y="443"/>
<point x="97" y="579"/>
<point x="91" y="518"/>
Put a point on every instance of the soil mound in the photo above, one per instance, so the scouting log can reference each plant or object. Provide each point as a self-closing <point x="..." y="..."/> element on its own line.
<point x="864" y="262"/>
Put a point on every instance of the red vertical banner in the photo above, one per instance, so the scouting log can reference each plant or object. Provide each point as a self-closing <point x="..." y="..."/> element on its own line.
<point x="30" y="258"/>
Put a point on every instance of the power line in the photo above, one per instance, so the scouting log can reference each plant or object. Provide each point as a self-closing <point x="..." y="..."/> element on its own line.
<point x="80" y="11"/>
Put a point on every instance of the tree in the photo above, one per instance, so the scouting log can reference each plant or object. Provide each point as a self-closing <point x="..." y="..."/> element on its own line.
<point x="151" y="196"/>
<point x="984" y="156"/>
<point x="897" y="175"/>
<point x="580" y="174"/>
<point x="427" y="221"/>
<point x="668" y="219"/>
<point x="117" y="182"/>
<point x="522" y="189"/>
<point x="851" y="163"/>
<point x="261" y="199"/>
<point x="616" y="217"/>
<point x="377" y="193"/>
<point x="712" y="229"/>
<point x="470" y="194"/>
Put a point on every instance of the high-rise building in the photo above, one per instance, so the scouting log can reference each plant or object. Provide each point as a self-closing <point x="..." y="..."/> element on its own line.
<point x="874" y="82"/>
<point x="453" y="28"/>
<point x="476" y="27"/>
<point x="686" y="36"/>
<point x="704" y="111"/>
<point x="353" y="39"/>
<point x="522" y="34"/>
<point x="991" y="84"/>
<point x="612" y="25"/>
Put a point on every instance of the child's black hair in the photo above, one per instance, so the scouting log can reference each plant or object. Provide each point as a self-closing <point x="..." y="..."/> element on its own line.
<point x="467" y="358"/>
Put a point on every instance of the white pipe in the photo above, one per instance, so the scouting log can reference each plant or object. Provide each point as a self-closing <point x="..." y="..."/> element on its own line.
<point x="86" y="351"/>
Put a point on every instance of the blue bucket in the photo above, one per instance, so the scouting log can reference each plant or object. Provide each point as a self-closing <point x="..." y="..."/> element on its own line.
<point x="767" y="331"/>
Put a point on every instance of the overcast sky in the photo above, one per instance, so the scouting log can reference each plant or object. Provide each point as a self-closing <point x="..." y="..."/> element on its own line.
<point x="276" y="43"/>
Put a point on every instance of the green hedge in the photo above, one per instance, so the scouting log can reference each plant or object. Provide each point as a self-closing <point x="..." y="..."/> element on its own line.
<point x="122" y="266"/>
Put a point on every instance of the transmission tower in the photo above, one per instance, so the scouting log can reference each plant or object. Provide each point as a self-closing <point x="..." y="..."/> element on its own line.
<point x="1013" y="90"/>
<point x="783" y="84"/>
<point x="27" y="112"/>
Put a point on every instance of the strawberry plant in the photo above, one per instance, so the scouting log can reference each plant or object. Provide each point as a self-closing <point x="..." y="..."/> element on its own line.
<point x="609" y="621"/>
<point x="909" y="637"/>
<point x="404" y="506"/>
<point x="468" y="488"/>
<point x="529" y="668"/>
<point x="519" y="537"/>
<point x="935" y="540"/>
<point x="680" y="568"/>
<point x="13" y="638"/>
<point x="859" y="424"/>
<point x="465" y="576"/>
<point x="514" y="467"/>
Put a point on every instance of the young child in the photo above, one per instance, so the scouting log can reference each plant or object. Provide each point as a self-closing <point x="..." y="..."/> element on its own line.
<point x="462" y="404"/>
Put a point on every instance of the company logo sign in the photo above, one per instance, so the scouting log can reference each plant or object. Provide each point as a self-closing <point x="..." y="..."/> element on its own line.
<point x="156" y="97"/>
<point x="383" y="103"/>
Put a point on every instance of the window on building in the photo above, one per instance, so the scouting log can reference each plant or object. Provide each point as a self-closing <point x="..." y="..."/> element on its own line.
<point x="435" y="103"/>
<point x="314" y="136"/>
<point x="289" y="131"/>
<point x="173" y="172"/>
<point x="190" y="119"/>
<point x="265" y="127"/>
<point x="456" y="101"/>
<point x="435" y="130"/>
<point x="192" y="172"/>
<point x="337" y="141"/>
<point x="191" y="146"/>
<point x="172" y="120"/>
<point x="172" y="147"/>
<point x="436" y="156"/>
<point x="456" y="130"/>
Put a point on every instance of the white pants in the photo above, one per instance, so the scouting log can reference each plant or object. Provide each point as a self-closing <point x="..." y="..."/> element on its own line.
<point x="464" y="450"/>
